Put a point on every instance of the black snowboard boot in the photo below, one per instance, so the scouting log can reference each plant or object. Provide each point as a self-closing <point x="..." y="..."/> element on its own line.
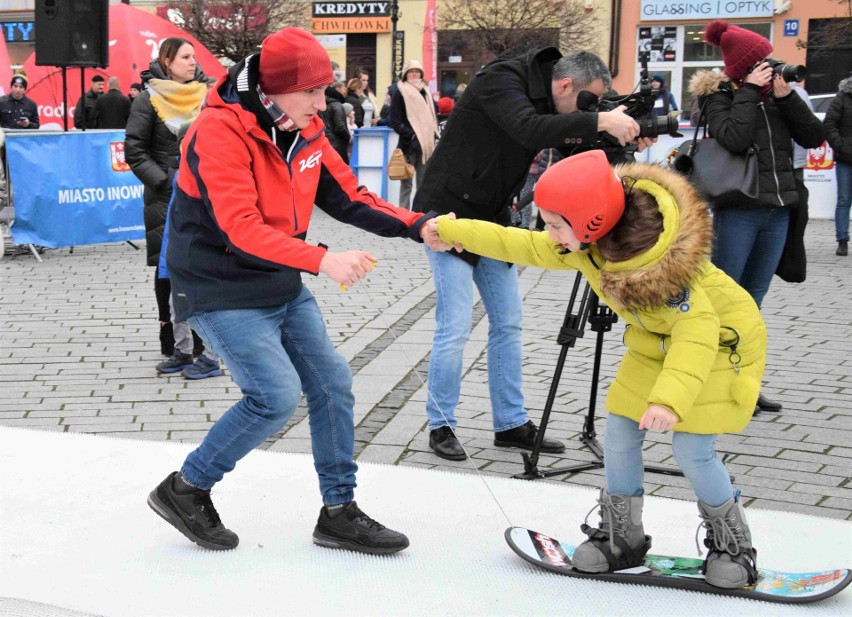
<point x="620" y="542"/>
<point x="732" y="560"/>
<point x="191" y="512"/>
<point x="345" y="526"/>
<point x="842" y="248"/>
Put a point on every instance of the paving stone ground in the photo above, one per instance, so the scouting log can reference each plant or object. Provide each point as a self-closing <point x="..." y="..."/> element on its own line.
<point x="79" y="342"/>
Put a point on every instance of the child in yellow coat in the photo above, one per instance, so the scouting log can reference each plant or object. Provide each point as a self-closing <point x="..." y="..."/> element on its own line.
<point x="696" y="343"/>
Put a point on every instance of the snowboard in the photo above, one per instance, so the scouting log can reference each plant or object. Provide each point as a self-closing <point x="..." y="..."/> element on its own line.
<point x="681" y="572"/>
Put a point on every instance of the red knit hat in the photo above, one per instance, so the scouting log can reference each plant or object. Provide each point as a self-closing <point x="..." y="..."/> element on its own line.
<point x="292" y="60"/>
<point x="741" y="48"/>
<point x="585" y="190"/>
<point x="445" y="105"/>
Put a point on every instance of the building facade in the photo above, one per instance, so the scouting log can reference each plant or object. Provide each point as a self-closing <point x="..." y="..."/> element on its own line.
<point x="670" y="34"/>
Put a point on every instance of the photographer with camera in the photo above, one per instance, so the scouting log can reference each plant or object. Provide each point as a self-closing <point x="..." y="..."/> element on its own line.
<point x="750" y="104"/>
<point x="510" y="111"/>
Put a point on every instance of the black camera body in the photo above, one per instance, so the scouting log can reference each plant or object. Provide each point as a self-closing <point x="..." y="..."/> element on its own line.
<point x="789" y="72"/>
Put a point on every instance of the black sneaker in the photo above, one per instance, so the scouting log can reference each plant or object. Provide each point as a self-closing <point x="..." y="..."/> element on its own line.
<point x="204" y="367"/>
<point x="524" y="437"/>
<point x="191" y="512"/>
<point x="177" y="362"/>
<point x="351" y="529"/>
<point x="446" y="445"/>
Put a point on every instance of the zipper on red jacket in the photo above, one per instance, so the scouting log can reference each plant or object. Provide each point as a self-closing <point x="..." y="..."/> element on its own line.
<point x="273" y="145"/>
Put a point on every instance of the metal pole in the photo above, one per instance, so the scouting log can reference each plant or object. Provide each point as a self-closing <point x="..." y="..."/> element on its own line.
<point x="394" y="19"/>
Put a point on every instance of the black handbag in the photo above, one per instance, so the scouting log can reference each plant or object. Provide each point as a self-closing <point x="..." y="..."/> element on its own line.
<point x="721" y="177"/>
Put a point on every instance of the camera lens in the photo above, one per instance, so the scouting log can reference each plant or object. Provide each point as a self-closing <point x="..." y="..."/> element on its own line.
<point x="652" y="126"/>
<point x="788" y="72"/>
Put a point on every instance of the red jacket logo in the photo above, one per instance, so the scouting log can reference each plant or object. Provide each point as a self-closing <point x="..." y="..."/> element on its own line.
<point x="311" y="161"/>
<point x="116" y="156"/>
<point x="550" y="550"/>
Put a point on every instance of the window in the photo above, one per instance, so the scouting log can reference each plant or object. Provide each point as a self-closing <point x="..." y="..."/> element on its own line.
<point x="691" y="54"/>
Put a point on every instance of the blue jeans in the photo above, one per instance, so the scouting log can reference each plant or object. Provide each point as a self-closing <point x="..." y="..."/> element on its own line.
<point x="497" y="283"/>
<point x="844" y="200"/>
<point x="748" y="246"/>
<point x="695" y="455"/>
<point x="274" y="354"/>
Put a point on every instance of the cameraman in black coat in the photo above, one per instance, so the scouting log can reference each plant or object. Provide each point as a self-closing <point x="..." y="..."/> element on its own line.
<point x="510" y="111"/>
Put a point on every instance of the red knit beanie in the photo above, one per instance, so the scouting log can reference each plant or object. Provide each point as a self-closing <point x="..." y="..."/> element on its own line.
<point x="292" y="60"/>
<point x="741" y="48"/>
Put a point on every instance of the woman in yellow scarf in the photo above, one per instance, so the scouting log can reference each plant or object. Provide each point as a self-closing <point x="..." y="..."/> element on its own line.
<point x="175" y="87"/>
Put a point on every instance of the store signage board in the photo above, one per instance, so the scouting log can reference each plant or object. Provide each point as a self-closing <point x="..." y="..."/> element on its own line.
<point x="670" y="10"/>
<point x="351" y="17"/>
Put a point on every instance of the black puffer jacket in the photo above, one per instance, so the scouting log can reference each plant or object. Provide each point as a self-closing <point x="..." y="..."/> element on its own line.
<point x="503" y="119"/>
<point x="151" y="150"/>
<point x="334" y="118"/>
<point x="740" y="117"/>
<point x="838" y="123"/>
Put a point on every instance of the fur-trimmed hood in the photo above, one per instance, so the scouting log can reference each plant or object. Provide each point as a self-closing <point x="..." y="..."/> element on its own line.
<point x="671" y="266"/>
<point x="704" y="83"/>
<point x="845" y="86"/>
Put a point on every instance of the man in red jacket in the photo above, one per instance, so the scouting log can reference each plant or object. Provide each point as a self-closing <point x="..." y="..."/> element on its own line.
<point x="253" y="164"/>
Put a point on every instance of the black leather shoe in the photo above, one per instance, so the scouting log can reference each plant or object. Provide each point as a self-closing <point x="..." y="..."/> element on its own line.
<point x="191" y="512"/>
<point x="766" y="405"/>
<point x="444" y="443"/>
<point x="524" y="437"/>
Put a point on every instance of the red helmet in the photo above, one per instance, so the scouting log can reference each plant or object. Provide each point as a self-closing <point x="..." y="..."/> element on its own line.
<point x="585" y="190"/>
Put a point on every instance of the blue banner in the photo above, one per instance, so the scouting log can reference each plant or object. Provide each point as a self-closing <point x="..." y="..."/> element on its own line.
<point x="72" y="189"/>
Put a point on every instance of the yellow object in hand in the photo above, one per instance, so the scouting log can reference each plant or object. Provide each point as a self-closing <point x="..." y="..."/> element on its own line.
<point x="370" y="269"/>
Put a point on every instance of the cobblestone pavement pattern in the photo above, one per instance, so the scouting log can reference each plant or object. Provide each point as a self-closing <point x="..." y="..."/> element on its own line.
<point x="80" y="340"/>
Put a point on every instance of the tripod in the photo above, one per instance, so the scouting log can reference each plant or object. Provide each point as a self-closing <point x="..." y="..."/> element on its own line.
<point x="600" y="319"/>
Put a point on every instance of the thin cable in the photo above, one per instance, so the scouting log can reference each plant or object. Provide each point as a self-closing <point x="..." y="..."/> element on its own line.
<point x="441" y="411"/>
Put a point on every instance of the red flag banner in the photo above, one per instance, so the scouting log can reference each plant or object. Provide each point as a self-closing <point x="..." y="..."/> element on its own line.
<point x="430" y="46"/>
<point x="5" y="67"/>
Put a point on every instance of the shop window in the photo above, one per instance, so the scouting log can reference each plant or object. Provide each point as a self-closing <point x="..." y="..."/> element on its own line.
<point x="678" y="62"/>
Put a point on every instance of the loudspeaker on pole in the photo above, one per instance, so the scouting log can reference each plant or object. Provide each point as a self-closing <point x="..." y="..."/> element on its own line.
<point x="72" y="33"/>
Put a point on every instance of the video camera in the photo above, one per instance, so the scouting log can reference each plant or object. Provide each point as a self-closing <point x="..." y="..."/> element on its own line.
<point x="639" y="106"/>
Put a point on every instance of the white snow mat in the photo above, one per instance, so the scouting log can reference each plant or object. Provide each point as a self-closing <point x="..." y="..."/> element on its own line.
<point x="76" y="533"/>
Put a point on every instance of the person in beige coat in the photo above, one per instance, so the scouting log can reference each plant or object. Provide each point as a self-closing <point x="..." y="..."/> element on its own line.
<point x="413" y="114"/>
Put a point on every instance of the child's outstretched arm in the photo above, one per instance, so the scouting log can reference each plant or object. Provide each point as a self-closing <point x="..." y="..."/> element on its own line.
<point x="508" y="244"/>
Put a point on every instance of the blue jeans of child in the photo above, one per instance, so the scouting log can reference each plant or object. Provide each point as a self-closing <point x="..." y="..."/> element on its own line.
<point x="695" y="455"/>
<point x="497" y="283"/>
<point x="274" y="354"/>
<point x="844" y="200"/>
<point x="748" y="245"/>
